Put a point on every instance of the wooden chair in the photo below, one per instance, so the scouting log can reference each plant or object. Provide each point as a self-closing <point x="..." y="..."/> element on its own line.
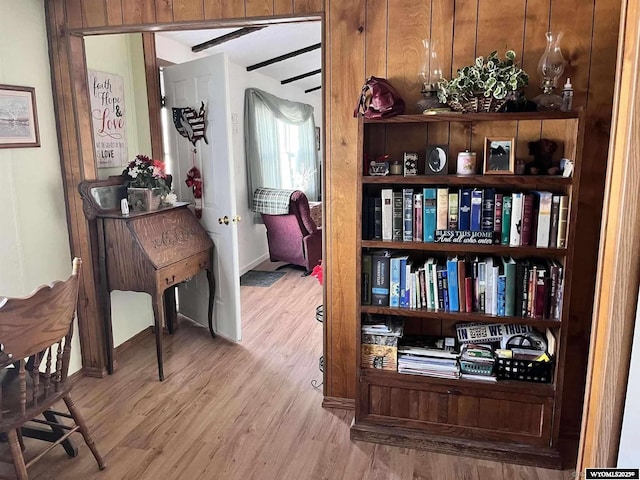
<point x="35" y="333"/>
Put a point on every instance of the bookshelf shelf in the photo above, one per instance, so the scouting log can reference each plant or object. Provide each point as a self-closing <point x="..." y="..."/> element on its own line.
<point x="411" y="410"/>
<point x="499" y="250"/>
<point x="462" y="317"/>
<point x="519" y="181"/>
<point x="511" y="386"/>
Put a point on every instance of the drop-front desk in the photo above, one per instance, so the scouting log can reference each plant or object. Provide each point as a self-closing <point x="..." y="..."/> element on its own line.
<point x="146" y="251"/>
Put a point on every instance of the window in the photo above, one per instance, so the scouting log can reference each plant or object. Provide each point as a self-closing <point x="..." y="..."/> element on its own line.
<point x="280" y="144"/>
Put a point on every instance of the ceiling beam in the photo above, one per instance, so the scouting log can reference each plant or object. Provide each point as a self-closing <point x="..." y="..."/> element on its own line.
<point x="286" y="56"/>
<point x="225" y="38"/>
<point x="313" y="89"/>
<point x="300" y="77"/>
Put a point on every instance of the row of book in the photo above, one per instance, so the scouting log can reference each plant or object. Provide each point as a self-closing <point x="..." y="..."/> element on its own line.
<point x="536" y="218"/>
<point x="499" y="286"/>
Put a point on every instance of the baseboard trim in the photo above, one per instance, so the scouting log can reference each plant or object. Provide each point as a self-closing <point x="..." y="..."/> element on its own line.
<point x="137" y="338"/>
<point x="254" y="263"/>
<point x="94" y="372"/>
<point x="75" y="376"/>
<point x="408" y="438"/>
<point x="338" y="402"/>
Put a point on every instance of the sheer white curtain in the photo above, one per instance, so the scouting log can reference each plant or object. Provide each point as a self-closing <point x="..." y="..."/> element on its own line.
<point x="279" y="144"/>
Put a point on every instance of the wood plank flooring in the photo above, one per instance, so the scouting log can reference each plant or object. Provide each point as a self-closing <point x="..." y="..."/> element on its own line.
<point x="243" y="411"/>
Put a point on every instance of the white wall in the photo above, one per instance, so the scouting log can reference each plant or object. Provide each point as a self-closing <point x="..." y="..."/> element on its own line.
<point x="630" y="436"/>
<point x="252" y="238"/>
<point x="122" y="54"/>
<point x="34" y="243"/>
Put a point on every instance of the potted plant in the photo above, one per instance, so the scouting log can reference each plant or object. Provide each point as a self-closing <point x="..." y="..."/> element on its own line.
<point x="485" y="85"/>
<point x="147" y="183"/>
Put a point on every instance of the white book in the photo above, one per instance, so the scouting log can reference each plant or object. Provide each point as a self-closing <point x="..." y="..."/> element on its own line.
<point x="494" y="293"/>
<point x="427" y="282"/>
<point x="387" y="213"/>
<point x="442" y="209"/>
<point x="434" y="285"/>
<point x="516" y="220"/>
<point x="489" y="282"/>
<point x="544" y="219"/>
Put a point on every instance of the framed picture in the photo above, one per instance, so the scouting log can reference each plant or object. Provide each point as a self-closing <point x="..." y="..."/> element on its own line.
<point x="410" y="164"/>
<point x="18" y="117"/>
<point x="499" y="155"/>
<point x="437" y="160"/>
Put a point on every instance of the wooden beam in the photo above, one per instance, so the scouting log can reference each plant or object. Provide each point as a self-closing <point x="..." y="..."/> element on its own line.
<point x="300" y="77"/>
<point x="225" y="38"/>
<point x="313" y="89"/>
<point x="286" y="56"/>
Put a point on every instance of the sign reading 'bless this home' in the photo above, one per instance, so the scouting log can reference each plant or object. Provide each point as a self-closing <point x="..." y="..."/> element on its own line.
<point x="106" y="91"/>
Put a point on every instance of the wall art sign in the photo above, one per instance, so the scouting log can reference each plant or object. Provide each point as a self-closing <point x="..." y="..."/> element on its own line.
<point x="106" y="91"/>
<point x="18" y="117"/>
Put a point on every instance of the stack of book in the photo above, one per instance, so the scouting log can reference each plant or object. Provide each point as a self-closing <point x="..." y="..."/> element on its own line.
<point x="466" y="215"/>
<point x="430" y="356"/>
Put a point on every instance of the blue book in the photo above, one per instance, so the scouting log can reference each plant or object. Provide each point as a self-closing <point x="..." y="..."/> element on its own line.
<point x="394" y="283"/>
<point x="502" y="283"/>
<point x="476" y="209"/>
<point x="464" y="214"/>
<point x="452" y="284"/>
<point x="445" y="290"/>
<point x="429" y="220"/>
<point x="404" y="288"/>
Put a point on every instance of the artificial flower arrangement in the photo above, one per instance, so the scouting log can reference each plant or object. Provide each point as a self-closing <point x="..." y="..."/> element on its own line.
<point x="146" y="173"/>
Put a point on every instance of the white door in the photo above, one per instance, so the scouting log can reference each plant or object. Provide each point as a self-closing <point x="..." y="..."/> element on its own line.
<point x="187" y="85"/>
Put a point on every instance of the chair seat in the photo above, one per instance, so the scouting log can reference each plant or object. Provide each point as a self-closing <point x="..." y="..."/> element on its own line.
<point x="12" y="416"/>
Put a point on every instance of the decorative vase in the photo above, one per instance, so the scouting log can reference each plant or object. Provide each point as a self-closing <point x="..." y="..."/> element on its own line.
<point x="144" y="199"/>
<point x="550" y="66"/>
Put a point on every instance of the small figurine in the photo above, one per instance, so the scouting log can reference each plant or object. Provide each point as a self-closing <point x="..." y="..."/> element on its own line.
<point x="543" y="164"/>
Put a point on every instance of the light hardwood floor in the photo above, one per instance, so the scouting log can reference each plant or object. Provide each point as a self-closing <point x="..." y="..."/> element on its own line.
<point x="243" y="411"/>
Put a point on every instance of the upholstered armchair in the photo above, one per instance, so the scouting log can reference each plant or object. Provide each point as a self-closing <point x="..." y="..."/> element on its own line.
<point x="293" y="237"/>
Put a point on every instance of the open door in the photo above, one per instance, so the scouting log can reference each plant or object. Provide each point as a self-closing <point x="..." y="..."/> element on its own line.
<point x="188" y="85"/>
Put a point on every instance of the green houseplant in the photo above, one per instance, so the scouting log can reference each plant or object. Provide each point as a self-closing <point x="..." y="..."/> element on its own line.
<point x="485" y="85"/>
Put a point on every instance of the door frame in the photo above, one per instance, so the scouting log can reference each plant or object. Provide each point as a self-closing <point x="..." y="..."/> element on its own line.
<point x="77" y="159"/>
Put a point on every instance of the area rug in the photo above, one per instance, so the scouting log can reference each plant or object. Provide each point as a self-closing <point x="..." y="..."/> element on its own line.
<point x="259" y="278"/>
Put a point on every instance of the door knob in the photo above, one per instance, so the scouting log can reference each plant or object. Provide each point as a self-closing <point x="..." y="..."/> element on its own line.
<point x="224" y="220"/>
<point x="236" y="219"/>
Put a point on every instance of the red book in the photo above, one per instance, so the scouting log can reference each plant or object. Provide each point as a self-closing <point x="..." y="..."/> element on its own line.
<point x="497" y="218"/>
<point x="468" y="293"/>
<point x="527" y="219"/>
<point x="462" y="298"/>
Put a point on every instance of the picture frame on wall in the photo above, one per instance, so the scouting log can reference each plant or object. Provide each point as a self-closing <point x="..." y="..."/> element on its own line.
<point x="499" y="156"/>
<point x="18" y="117"/>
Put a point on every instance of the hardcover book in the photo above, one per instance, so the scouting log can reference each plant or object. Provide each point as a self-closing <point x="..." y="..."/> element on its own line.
<point x="452" y="284"/>
<point x="442" y="212"/>
<point x="417" y="217"/>
<point x="516" y="220"/>
<point x="562" y="221"/>
<point x="398" y="216"/>
<point x="430" y="209"/>
<point x="506" y="219"/>
<point x="366" y="279"/>
<point x="407" y="226"/>
<point x="527" y="219"/>
<point x="544" y="219"/>
<point x="476" y="209"/>
<point x="497" y="218"/>
<point x="377" y="223"/>
<point x="464" y="213"/>
<point x="555" y="217"/>
<point x="386" y="195"/>
<point x="488" y="214"/>
<point x="380" y="278"/>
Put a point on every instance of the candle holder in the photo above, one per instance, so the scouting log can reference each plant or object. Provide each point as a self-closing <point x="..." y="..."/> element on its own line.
<point x="551" y="67"/>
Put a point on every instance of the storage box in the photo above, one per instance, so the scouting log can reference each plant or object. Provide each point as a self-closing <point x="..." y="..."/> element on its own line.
<point x="379" y="351"/>
<point x="524" y="370"/>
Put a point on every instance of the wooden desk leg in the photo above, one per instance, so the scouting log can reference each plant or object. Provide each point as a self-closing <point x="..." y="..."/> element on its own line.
<point x="212" y="295"/>
<point x="158" y="315"/>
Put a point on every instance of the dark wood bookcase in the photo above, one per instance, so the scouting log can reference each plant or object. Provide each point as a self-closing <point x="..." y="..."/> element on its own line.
<point x="512" y="421"/>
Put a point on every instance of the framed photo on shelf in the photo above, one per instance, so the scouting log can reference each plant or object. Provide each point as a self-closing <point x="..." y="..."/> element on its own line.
<point x="499" y="156"/>
<point x="18" y="117"/>
<point x="436" y="160"/>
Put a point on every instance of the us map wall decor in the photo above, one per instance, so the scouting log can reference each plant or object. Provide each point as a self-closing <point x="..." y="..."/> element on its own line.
<point x="106" y="91"/>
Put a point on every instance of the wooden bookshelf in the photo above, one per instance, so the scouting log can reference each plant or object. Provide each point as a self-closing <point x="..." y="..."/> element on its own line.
<point x="513" y="420"/>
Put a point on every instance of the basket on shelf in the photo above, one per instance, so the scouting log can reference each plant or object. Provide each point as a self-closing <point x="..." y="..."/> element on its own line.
<point x="524" y="370"/>
<point x="478" y="104"/>
<point x="475" y="368"/>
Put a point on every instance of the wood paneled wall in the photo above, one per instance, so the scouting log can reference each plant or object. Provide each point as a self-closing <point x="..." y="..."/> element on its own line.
<point x="366" y="37"/>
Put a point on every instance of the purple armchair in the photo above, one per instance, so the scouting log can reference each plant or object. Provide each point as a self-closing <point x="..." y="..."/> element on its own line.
<point x="294" y="237"/>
